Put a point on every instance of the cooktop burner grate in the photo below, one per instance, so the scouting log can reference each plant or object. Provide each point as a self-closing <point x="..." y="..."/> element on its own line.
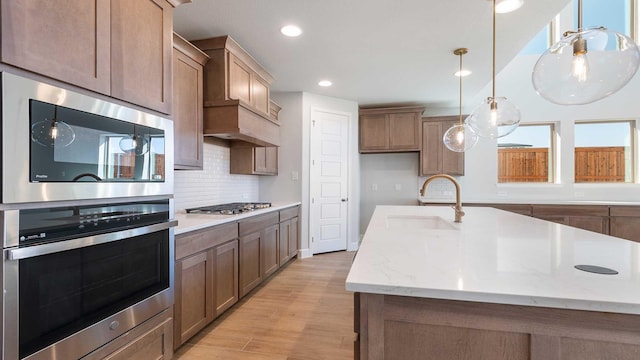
<point x="230" y="208"/>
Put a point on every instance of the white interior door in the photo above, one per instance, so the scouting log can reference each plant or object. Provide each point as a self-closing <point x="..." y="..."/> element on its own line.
<point x="329" y="180"/>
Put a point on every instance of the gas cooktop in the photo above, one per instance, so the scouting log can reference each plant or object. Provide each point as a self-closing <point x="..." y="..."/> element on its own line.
<point x="229" y="209"/>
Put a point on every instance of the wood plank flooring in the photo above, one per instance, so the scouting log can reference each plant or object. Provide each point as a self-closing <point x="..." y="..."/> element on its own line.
<point x="302" y="312"/>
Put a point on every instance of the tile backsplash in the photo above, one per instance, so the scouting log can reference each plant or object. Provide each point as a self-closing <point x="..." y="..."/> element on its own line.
<point x="213" y="184"/>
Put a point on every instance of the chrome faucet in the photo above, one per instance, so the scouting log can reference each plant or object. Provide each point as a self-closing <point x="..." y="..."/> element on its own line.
<point x="458" y="206"/>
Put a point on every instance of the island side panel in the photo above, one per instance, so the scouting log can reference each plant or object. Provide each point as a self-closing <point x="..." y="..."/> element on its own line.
<point x="418" y="328"/>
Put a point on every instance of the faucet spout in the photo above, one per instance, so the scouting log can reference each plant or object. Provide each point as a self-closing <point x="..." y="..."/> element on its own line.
<point x="458" y="207"/>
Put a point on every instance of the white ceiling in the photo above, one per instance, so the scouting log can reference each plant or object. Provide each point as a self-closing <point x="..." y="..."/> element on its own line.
<point x="376" y="52"/>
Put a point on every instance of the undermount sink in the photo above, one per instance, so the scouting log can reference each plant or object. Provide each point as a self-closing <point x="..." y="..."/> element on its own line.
<point x="419" y="221"/>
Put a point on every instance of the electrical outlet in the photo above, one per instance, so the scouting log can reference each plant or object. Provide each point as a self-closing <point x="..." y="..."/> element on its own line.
<point x="502" y="193"/>
<point x="294" y="176"/>
<point x="578" y="194"/>
<point x="374" y="187"/>
<point x="398" y="187"/>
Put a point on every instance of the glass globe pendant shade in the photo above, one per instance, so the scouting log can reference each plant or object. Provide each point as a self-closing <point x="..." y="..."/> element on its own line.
<point x="459" y="138"/>
<point x="52" y="133"/>
<point x="494" y="118"/>
<point x="136" y="144"/>
<point x="585" y="66"/>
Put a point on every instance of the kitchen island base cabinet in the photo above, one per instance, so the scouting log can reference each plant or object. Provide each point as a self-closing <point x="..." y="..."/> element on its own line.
<point x="398" y="327"/>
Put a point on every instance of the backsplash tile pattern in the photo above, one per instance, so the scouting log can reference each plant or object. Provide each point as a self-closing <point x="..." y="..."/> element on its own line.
<point x="213" y="184"/>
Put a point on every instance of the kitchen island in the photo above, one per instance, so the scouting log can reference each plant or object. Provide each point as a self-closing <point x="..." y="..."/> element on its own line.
<point x="498" y="285"/>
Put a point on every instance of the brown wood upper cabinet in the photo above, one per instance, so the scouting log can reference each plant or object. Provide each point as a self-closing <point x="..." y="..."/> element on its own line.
<point x="249" y="159"/>
<point x="119" y="48"/>
<point x="188" y="61"/>
<point x="237" y="101"/>
<point x="390" y="129"/>
<point x="435" y="158"/>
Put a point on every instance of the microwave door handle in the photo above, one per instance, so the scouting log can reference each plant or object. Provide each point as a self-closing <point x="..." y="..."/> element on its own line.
<point x="54" y="247"/>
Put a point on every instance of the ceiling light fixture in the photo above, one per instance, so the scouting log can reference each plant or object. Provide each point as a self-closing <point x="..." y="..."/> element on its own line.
<point x="496" y="116"/>
<point x="291" y="30"/>
<point x="586" y="65"/>
<point x="506" y="6"/>
<point x="325" y="83"/>
<point x="460" y="138"/>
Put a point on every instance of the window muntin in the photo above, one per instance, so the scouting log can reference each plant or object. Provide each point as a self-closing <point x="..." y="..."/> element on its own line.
<point x="527" y="154"/>
<point x="603" y="152"/>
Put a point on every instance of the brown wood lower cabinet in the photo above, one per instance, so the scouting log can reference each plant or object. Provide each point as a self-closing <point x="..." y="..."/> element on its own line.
<point x="625" y="222"/>
<point x="258" y="250"/>
<point x="206" y="278"/>
<point x="587" y="217"/>
<point x="288" y="234"/>
<point x="408" y="328"/>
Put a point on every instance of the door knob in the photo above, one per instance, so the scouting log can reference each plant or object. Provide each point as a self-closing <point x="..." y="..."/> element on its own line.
<point x="345" y="199"/>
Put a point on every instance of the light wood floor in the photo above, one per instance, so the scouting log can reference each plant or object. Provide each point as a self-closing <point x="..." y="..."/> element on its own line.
<point x="303" y="312"/>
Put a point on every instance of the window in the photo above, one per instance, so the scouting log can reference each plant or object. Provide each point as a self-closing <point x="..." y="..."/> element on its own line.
<point x="603" y="152"/>
<point x="615" y="15"/>
<point x="539" y="44"/>
<point x="526" y="155"/>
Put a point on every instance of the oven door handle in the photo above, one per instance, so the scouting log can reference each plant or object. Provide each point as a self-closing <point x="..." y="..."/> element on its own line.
<point x="54" y="247"/>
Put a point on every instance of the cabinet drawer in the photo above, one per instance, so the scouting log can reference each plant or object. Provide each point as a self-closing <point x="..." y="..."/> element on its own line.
<point x="289" y="213"/>
<point x="193" y="242"/>
<point x="257" y="223"/>
<point x="630" y="211"/>
<point x="570" y="210"/>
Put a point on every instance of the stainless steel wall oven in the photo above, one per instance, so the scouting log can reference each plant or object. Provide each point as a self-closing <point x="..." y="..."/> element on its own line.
<point x="76" y="277"/>
<point x="86" y="213"/>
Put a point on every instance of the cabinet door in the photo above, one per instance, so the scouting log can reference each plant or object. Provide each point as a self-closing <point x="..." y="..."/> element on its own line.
<point x="225" y="276"/>
<point x="271" y="160"/>
<point x="239" y="80"/>
<point x="269" y="250"/>
<point x="250" y="274"/>
<point x="591" y="223"/>
<point x="431" y="152"/>
<point x="260" y="159"/>
<point x="403" y="132"/>
<point x="187" y="112"/>
<point x="141" y="63"/>
<point x="283" y="250"/>
<point x="193" y="300"/>
<point x="260" y="94"/>
<point x="293" y="237"/>
<point x="374" y="132"/>
<point x="43" y="37"/>
<point x="452" y="162"/>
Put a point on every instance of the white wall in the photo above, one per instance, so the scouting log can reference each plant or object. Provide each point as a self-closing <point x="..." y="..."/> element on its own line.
<point x="213" y="184"/>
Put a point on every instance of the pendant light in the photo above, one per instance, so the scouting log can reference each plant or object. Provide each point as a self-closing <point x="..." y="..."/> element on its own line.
<point x="496" y="116"/>
<point x="586" y="65"/>
<point x="137" y="144"/>
<point x="52" y="133"/>
<point x="506" y="6"/>
<point x="460" y="137"/>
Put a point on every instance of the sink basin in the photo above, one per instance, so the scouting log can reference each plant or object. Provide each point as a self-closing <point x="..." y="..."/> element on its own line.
<point x="420" y="222"/>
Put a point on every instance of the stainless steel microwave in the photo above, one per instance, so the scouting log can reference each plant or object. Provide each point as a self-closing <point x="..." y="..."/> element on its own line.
<point x="59" y="144"/>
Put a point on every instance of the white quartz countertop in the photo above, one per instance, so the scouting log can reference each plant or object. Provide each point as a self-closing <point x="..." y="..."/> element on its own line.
<point x="493" y="256"/>
<point x="192" y="222"/>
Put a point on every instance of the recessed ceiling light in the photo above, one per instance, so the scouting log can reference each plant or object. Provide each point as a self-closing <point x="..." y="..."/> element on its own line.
<point x="505" y="6"/>
<point x="462" y="73"/>
<point x="325" y="83"/>
<point x="290" y="31"/>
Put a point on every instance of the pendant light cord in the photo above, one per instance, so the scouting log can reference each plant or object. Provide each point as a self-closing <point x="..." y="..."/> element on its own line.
<point x="493" y="73"/>
<point x="460" y="93"/>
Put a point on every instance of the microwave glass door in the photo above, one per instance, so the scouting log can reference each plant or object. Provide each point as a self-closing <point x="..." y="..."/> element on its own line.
<point x="69" y="145"/>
